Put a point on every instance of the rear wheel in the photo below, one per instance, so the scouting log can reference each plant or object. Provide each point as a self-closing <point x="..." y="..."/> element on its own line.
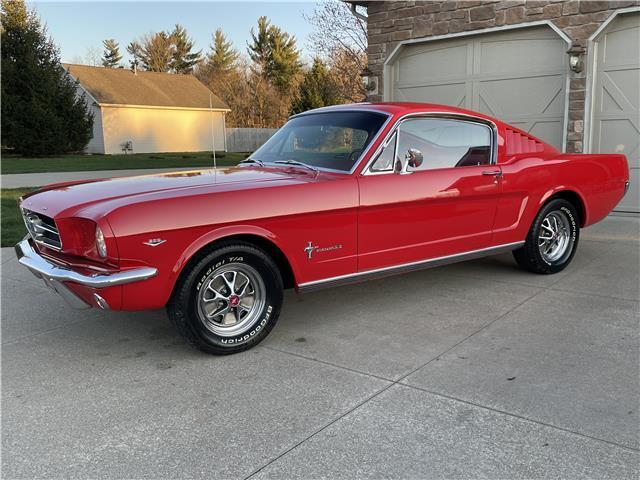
<point x="229" y="301"/>
<point x="552" y="239"/>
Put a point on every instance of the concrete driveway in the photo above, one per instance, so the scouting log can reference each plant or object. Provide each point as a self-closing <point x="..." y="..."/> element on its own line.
<point x="472" y="370"/>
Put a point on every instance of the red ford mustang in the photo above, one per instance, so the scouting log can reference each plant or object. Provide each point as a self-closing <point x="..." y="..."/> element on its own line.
<point x="338" y="195"/>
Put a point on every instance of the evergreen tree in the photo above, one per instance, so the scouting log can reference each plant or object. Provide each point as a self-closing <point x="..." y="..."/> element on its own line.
<point x="135" y="50"/>
<point x="275" y="54"/>
<point x="223" y="57"/>
<point x="260" y="47"/>
<point x="317" y="89"/>
<point x="41" y="111"/>
<point x="156" y="52"/>
<point x="183" y="59"/>
<point x="111" y="56"/>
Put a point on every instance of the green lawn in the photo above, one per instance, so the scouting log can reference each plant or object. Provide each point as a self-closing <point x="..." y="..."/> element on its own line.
<point x="12" y="229"/>
<point x="80" y="163"/>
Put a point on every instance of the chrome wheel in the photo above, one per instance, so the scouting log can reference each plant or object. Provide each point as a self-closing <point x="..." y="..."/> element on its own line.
<point x="231" y="299"/>
<point x="554" y="238"/>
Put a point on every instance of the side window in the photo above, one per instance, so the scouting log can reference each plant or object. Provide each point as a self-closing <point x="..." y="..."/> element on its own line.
<point x="384" y="162"/>
<point x="446" y="143"/>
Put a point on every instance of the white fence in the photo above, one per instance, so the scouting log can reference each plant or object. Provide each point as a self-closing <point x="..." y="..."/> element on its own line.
<point x="247" y="139"/>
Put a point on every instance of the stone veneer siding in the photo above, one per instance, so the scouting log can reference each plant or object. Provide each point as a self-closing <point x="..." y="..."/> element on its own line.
<point x="392" y="22"/>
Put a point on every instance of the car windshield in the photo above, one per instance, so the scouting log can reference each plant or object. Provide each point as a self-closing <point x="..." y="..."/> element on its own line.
<point x="332" y="140"/>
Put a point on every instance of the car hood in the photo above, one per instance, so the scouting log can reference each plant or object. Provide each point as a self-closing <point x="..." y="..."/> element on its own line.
<point x="68" y="199"/>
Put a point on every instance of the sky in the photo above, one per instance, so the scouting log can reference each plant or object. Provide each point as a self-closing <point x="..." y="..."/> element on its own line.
<point x="78" y="26"/>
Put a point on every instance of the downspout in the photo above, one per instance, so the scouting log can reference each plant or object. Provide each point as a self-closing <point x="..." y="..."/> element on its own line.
<point x="355" y="13"/>
<point x="224" y="129"/>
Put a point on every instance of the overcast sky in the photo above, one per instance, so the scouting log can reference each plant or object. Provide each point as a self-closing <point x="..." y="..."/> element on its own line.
<point x="77" y="26"/>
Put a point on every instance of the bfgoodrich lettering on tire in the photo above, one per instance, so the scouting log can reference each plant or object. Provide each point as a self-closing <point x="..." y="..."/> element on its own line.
<point x="552" y="239"/>
<point x="229" y="300"/>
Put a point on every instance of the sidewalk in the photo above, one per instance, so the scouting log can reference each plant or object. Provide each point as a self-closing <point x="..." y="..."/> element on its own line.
<point x="19" y="180"/>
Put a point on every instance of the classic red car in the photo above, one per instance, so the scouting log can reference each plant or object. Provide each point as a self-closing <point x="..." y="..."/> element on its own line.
<point x="338" y="195"/>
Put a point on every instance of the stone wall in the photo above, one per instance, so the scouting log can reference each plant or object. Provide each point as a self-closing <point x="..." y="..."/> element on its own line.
<point x="393" y="22"/>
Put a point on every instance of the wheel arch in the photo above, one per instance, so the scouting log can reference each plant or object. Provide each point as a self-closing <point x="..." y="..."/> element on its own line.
<point x="258" y="237"/>
<point x="572" y="196"/>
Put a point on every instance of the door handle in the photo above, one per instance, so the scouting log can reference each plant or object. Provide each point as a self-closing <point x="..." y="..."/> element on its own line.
<point x="495" y="173"/>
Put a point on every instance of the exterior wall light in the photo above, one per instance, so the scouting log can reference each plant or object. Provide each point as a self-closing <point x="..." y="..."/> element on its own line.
<point x="575" y="58"/>
<point x="575" y="63"/>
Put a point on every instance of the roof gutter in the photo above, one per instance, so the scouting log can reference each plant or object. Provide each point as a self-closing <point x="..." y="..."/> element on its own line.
<point x="355" y="13"/>
<point x="161" y="107"/>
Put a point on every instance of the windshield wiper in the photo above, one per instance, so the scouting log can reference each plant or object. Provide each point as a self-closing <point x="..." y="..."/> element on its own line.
<point x="297" y="163"/>
<point x="253" y="160"/>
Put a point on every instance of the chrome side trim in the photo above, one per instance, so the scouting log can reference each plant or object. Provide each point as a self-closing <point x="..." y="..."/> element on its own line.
<point x="51" y="272"/>
<point x="406" y="267"/>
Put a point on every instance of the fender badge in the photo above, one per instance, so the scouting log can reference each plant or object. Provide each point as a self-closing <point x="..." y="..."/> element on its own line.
<point x="311" y="249"/>
<point x="154" y="242"/>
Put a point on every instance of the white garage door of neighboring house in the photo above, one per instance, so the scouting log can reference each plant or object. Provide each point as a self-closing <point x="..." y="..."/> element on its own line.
<point x="518" y="76"/>
<point x="616" y="98"/>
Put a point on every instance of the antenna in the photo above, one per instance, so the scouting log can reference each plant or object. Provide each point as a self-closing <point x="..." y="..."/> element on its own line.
<point x="213" y="143"/>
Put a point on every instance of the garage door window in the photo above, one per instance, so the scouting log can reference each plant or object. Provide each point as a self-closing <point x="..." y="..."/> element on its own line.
<point x="444" y="144"/>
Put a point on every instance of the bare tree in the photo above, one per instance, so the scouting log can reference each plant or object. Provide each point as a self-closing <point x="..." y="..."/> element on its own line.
<point x="341" y="38"/>
<point x="93" y="57"/>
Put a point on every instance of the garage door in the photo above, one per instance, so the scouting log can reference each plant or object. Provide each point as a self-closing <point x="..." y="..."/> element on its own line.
<point x="616" y="113"/>
<point x="517" y="76"/>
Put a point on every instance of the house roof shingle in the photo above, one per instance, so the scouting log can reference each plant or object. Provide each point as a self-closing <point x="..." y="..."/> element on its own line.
<point x="119" y="86"/>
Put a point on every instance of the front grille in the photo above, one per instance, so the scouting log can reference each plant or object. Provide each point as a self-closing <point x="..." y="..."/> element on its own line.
<point x="43" y="229"/>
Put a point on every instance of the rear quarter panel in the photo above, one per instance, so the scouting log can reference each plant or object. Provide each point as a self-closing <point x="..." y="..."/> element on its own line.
<point x="530" y="180"/>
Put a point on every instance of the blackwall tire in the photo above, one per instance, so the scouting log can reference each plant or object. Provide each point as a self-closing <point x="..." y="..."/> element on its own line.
<point x="229" y="300"/>
<point x="552" y="240"/>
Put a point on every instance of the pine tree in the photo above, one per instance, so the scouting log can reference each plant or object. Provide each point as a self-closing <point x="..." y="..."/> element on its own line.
<point x="275" y="54"/>
<point x="260" y="47"/>
<point x="156" y="52"/>
<point x="111" y="56"/>
<point x="223" y="57"/>
<point x="318" y="89"/>
<point x="183" y="59"/>
<point x="41" y="111"/>
<point x="135" y="50"/>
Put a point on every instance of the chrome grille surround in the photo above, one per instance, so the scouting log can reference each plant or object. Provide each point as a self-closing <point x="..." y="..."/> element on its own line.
<point x="42" y="229"/>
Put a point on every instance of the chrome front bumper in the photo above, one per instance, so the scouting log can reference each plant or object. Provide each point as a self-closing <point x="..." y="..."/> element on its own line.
<point x="55" y="275"/>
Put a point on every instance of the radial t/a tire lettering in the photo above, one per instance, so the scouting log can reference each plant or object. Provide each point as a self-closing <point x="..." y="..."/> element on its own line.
<point x="229" y="300"/>
<point x="552" y="239"/>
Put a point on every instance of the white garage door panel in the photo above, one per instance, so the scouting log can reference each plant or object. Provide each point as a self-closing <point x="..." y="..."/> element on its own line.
<point x="416" y="67"/>
<point x="541" y="54"/>
<point x="454" y="94"/>
<point x="517" y="76"/>
<point x="616" y="98"/>
<point x="543" y="95"/>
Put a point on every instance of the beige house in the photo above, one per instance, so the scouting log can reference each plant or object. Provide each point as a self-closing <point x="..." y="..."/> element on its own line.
<point x="148" y="112"/>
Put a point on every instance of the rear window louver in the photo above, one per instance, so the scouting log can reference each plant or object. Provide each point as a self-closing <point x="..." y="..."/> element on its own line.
<point x="517" y="142"/>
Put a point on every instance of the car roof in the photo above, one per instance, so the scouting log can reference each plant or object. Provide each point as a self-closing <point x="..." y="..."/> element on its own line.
<point x="401" y="108"/>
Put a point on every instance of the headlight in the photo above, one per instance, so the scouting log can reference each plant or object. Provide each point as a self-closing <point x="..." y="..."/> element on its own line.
<point x="101" y="246"/>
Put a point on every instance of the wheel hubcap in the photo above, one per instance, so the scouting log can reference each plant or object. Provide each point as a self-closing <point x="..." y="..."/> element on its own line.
<point x="231" y="299"/>
<point x="554" y="238"/>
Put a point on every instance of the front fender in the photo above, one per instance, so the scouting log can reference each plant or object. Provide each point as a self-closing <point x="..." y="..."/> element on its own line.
<point x="230" y="232"/>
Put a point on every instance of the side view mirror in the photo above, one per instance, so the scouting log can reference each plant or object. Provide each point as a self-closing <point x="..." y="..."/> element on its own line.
<point x="413" y="158"/>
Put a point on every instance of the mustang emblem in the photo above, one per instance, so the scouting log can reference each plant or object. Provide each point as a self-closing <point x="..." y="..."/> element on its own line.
<point x="154" y="242"/>
<point x="311" y="249"/>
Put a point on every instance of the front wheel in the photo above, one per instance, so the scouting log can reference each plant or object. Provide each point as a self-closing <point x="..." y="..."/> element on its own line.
<point x="229" y="300"/>
<point x="552" y="239"/>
